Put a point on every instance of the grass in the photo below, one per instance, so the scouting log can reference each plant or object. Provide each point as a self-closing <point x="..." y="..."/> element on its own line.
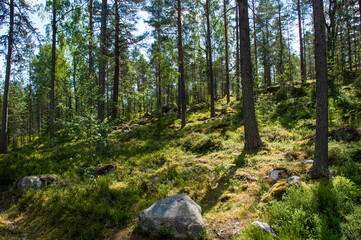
<point x="203" y="160"/>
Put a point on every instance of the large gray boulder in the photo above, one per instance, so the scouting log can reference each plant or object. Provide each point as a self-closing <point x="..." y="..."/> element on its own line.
<point x="30" y="182"/>
<point x="178" y="214"/>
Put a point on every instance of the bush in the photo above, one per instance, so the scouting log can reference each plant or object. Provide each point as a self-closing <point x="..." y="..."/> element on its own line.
<point x="201" y="143"/>
<point x="321" y="211"/>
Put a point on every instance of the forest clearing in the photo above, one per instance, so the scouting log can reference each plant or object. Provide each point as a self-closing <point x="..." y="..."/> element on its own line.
<point x="210" y="124"/>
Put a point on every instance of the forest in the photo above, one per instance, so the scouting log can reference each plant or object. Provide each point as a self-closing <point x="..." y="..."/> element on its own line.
<point x="179" y="119"/>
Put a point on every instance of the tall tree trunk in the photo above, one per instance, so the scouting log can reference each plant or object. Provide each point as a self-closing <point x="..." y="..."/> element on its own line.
<point x="226" y="41"/>
<point x="237" y="53"/>
<point x="91" y="60"/>
<point x="181" y="89"/>
<point x="30" y="103"/>
<point x="4" y="125"/>
<point x="102" y="62"/>
<point x="74" y="85"/>
<point x="117" y="64"/>
<point x="52" y="84"/>
<point x="210" y="64"/>
<point x="302" y="61"/>
<point x="255" y="39"/>
<point x="252" y="138"/>
<point x="348" y="25"/>
<point x="281" y="42"/>
<point x="320" y="164"/>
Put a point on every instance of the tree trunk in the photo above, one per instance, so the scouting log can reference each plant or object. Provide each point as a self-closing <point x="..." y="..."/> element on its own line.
<point x="30" y="103"/>
<point x="181" y="89"/>
<point x="117" y="64"/>
<point x="74" y="85"/>
<point x="210" y="64"/>
<point x="102" y="62"/>
<point x="252" y="138"/>
<point x="281" y="43"/>
<point x="52" y="84"/>
<point x="226" y="41"/>
<point x="302" y="61"/>
<point x="91" y="60"/>
<point x="255" y="39"/>
<point x="320" y="164"/>
<point x="4" y="125"/>
<point x="237" y="53"/>
<point x="348" y="25"/>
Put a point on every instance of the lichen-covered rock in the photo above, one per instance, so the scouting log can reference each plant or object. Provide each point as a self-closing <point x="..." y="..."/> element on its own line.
<point x="30" y="182"/>
<point x="275" y="174"/>
<point x="178" y="214"/>
<point x="294" y="180"/>
<point x="276" y="191"/>
<point x="264" y="226"/>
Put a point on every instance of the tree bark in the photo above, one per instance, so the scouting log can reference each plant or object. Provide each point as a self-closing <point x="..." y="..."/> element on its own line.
<point x="255" y="39"/>
<point x="4" y="125"/>
<point x="210" y="64"/>
<point x="302" y="61"/>
<point x="30" y="103"/>
<point x="237" y="53"/>
<point x="320" y="165"/>
<point x="74" y="85"/>
<point x="102" y="62"/>
<point x="91" y="60"/>
<point x="52" y="83"/>
<point x="117" y="64"/>
<point x="252" y="138"/>
<point x="181" y="89"/>
<point x="226" y="41"/>
<point x="280" y="39"/>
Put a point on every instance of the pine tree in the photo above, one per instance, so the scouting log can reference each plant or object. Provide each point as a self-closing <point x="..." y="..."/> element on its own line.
<point x="252" y="138"/>
<point x="320" y="164"/>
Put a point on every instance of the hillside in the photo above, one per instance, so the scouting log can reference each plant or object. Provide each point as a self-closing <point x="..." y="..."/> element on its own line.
<point x="107" y="174"/>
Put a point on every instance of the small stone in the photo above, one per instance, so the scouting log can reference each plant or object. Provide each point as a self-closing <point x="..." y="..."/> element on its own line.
<point x="275" y="174"/>
<point x="265" y="227"/>
<point x="307" y="161"/>
<point x="294" y="180"/>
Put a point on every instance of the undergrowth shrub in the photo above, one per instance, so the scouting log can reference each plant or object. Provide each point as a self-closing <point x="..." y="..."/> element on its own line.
<point x="320" y="211"/>
<point x="201" y="143"/>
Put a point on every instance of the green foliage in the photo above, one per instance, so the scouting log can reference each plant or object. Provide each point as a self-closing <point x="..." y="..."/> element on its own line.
<point x="321" y="211"/>
<point x="201" y="143"/>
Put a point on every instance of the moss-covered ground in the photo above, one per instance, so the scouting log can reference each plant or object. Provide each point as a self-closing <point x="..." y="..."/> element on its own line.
<point x="204" y="160"/>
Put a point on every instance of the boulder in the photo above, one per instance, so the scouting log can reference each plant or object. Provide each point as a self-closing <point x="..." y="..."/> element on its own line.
<point x="264" y="226"/>
<point x="178" y="214"/>
<point x="30" y="182"/>
<point x="294" y="180"/>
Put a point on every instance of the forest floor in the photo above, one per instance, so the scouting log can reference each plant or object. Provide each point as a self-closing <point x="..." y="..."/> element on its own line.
<point x="154" y="158"/>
